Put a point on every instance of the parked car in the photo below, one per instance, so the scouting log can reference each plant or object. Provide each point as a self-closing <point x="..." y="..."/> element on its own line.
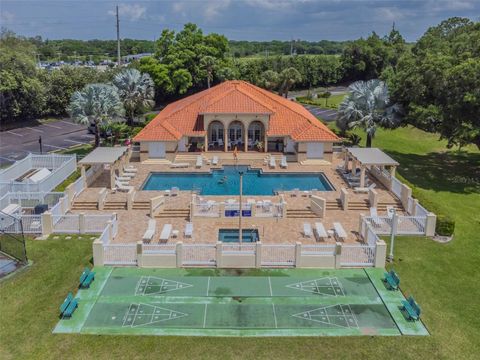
<point x="103" y="133"/>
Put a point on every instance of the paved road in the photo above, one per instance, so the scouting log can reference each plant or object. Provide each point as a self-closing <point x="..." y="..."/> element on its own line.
<point x="17" y="143"/>
<point x="325" y="114"/>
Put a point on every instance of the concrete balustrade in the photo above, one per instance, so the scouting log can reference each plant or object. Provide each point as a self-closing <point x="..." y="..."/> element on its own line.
<point x="156" y="204"/>
<point x="102" y="196"/>
<point x="318" y="205"/>
<point x="344" y="198"/>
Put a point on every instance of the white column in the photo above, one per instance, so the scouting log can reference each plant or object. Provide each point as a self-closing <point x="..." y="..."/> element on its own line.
<point x="362" y="176"/>
<point x="225" y="139"/>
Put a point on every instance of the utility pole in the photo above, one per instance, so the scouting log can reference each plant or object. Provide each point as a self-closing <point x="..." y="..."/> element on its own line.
<point x="119" y="59"/>
<point x="291" y="47"/>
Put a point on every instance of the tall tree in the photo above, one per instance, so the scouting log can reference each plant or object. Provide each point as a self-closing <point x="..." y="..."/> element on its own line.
<point x="136" y="90"/>
<point x="208" y="64"/>
<point x="288" y="78"/>
<point x="269" y="80"/>
<point x="367" y="105"/>
<point x="97" y="104"/>
<point x="438" y="82"/>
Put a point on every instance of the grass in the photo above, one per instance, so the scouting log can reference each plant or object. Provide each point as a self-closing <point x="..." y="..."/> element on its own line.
<point x="442" y="277"/>
<point x="332" y="102"/>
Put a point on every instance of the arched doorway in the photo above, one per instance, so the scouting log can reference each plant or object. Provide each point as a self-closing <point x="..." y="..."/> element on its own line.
<point x="256" y="136"/>
<point x="215" y="136"/>
<point x="235" y="135"/>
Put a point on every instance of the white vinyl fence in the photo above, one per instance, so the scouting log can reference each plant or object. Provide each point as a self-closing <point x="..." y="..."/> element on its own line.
<point x="406" y="225"/>
<point x="120" y="254"/>
<point x="358" y="255"/>
<point x="278" y="255"/>
<point x="199" y="255"/>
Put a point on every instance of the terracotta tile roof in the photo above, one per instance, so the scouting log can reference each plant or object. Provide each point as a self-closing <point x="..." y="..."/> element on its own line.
<point x="183" y="117"/>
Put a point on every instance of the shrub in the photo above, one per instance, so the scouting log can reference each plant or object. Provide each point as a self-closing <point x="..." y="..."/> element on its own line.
<point x="445" y="225"/>
<point x="149" y="117"/>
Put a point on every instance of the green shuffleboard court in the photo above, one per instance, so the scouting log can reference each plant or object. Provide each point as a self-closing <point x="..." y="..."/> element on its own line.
<point x="204" y="302"/>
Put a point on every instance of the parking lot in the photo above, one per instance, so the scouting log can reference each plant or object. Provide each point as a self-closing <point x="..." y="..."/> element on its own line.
<point x="58" y="135"/>
<point x="324" y="114"/>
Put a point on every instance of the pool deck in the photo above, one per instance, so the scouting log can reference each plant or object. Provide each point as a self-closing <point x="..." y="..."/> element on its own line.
<point x="271" y="230"/>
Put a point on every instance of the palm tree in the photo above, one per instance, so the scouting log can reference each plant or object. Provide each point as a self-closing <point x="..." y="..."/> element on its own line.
<point x="368" y="105"/>
<point x="208" y="64"/>
<point x="97" y="104"/>
<point x="269" y="80"/>
<point x="136" y="90"/>
<point x="288" y="77"/>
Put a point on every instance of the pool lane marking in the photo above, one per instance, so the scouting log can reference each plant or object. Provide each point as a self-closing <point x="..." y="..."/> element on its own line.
<point x="205" y="316"/>
<point x="270" y="285"/>
<point x="208" y="285"/>
<point x="274" y="316"/>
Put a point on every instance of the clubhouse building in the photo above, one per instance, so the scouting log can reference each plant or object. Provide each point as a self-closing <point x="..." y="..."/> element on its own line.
<point x="236" y="115"/>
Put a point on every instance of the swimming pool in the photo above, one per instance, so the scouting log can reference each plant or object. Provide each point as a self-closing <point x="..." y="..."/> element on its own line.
<point x="226" y="181"/>
<point x="231" y="235"/>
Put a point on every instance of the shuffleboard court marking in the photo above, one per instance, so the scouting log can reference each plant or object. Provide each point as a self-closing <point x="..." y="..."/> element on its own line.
<point x="146" y="314"/>
<point x="328" y="286"/>
<point x="274" y="315"/>
<point x="205" y="316"/>
<point x="270" y="285"/>
<point x="331" y="315"/>
<point x="208" y="285"/>
<point x="152" y="285"/>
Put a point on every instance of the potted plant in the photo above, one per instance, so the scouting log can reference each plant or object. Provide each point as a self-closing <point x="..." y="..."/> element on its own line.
<point x="259" y="145"/>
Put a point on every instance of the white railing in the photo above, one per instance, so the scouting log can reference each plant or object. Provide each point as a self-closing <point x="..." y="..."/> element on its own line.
<point x="411" y="225"/>
<point x="206" y="209"/>
<point x="16" y="170"/>
<point x="114" y="226"/>
<point x="238" y="249"/>
<point x="32" y="224"/>
<point x="159" y="248"/>
<point x="68" y="224"/>
<point x="420" y="210"/>
<point x="397" y="187"/>
<point x="199" y="254"/>
<point x="96" y="223"/>
<point x="357" y="255"/>
<point x="78" y="186"/>
<point x="104" y="237"/>
<point x="120" y="254"/>
<point x="410" y="205"/>
<point x="318" y="249"/>
<point x="278" y="255"/>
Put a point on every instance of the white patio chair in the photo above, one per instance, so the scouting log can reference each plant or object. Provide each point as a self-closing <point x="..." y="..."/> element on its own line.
<point x="320" y="231"/>
<point x="220" y="143"/>
<point x="271" y="163"/>
<point x="340" y="233"/>
<point x="150" y="232"/>
<point x="199" y="162"/>
<point x="365" y="189"/>
<point x="307" y="230"/>
<point x="179" y="165"/>
<point x="215" y="160"/>
<point x="166" y="231"/>
<point x="130" y="169"/>
<point x="122" y="187"/>
<point x="283" y="162"/>
<point x="189" y="230"/>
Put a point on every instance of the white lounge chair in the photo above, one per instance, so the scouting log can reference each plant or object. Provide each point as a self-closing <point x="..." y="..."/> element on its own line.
<point x="179" y="165"/>
<point x="374" y="215"/>
<point x="339" y="231"/>
<point x="283" y="162"/>
<point x="199" y="162"/>
<point x="189" y="229"/>
<point x="320" y="231"/>
<point x="215" y="160"/>
<point x="365" y="189"/>
<point x="271" y="163"/>
<point x="150" y="232"/>
<point x="122" y="187"/>
<point x="123" y="179"/>
<point x="130" y="169"/>
<point x="166" y="231"/>
<point x="307" y="230"/>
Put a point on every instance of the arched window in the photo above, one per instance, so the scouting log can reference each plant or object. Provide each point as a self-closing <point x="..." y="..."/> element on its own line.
<point x="235" y="132"/>
<point x="255" y="132"/>
<point x="216" y="131"/>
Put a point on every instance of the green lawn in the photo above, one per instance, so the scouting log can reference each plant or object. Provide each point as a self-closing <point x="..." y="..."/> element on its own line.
<point x="332" y="102"/>
<point x="443" y="278"/>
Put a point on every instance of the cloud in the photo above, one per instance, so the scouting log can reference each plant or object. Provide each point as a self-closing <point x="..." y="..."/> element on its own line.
<point x="214" y="8"/>
<point x="6" y="17"/>
<point x="274" y="4"/>
<point x="452" y="5"/>
<point x="389" y="14"/>
<point x="132" y="12"/>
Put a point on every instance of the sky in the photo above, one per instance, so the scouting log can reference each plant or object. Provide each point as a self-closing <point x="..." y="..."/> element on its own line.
<point x="261" y="20"/>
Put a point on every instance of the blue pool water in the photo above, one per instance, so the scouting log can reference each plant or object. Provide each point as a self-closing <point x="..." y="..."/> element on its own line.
<point x="226" y="181"/>
<point x="231" y="235"/>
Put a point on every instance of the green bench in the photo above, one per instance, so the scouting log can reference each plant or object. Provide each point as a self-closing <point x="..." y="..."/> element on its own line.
<point x="392" y="280"/>
<point x="412" y="309"/>
<point x="86" y="278"/>
<point x="68" y="306"/>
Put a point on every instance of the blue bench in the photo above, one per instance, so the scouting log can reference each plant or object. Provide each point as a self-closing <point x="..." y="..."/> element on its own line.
<point x="86" y="278"/>
<point x="68" y="306"/>
<point x="392" y="280"/>
<point x="412" y="309"/>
